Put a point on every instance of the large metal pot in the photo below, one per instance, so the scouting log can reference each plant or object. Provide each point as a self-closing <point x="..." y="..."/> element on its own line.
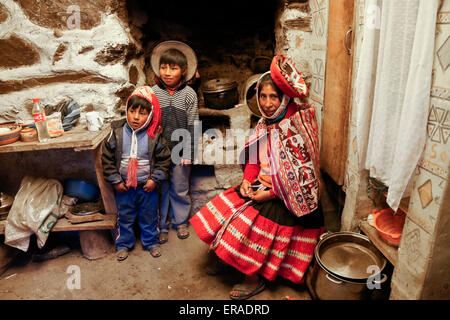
<point x="249" y="94"/>
<point x="220" y="93"/>
<point x="347" y="266"/>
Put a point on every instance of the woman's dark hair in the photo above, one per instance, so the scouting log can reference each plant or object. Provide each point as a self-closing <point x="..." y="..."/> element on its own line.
<point x="267" y="79"/>
<point x="174" y="56"/>
<point x="136" y="101"/>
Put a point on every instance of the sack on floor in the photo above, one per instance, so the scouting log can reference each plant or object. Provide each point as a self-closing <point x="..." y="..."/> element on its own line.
<point x="35" y="210"/>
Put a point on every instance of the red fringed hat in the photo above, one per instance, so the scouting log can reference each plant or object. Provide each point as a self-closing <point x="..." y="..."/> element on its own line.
<point x="287" y="77"/>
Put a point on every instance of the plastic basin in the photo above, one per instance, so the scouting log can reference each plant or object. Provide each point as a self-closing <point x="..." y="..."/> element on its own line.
<point x="83" y="190"/>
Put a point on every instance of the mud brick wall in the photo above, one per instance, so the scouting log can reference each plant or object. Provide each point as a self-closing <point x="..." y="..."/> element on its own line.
<point x="301" y="28"/>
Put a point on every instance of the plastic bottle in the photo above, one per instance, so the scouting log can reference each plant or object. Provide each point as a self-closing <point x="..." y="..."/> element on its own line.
<point x="40" y="120"/>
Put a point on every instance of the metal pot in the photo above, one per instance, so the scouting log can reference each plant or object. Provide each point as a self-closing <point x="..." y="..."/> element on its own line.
<point x="220" y="93"/>
<point x="249" y="94"/>
<point x="347" y="266"/>
<point x="6" y="202"/>
<point x="260" y="64"/>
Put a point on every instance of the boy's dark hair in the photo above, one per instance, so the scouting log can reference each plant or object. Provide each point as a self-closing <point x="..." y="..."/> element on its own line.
<point x="267" y="79"/>
<point x="136" y="101"/>
<point x="174" y="56"/>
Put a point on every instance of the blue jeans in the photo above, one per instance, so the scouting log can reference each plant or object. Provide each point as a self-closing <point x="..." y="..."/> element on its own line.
<point x="144" y="205"/>
<point x="175" y="198"/>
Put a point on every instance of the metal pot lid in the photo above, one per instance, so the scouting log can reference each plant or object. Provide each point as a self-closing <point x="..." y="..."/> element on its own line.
<point x="219" y="85"/>
<point x="86" y="208"/>
<point x="349" y="255"/>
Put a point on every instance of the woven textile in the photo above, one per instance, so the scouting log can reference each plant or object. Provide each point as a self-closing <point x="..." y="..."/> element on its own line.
<point x="294" y="158"/>
<point x="254" y="244"/>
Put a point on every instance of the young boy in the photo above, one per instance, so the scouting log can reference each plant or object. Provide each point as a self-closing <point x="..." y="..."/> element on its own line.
<point x="136" y="159"/>
<point x="175" y="63"/>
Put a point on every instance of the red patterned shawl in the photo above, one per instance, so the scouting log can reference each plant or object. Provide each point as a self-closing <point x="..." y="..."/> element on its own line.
<point x="293" y="153"/>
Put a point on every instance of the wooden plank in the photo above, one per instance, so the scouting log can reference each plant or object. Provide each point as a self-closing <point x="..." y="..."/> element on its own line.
<point x="390" y="252"/>
<point x="337" y="92"/>
<point x="74" y="219"/>
<point x="109" y="222"/>
<point x="81" y="139"/>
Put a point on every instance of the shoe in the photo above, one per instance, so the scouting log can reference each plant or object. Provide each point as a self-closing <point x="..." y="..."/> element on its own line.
<point x="163" y="237"/>
<point x="122" y="254"/>
<point x="182" y="232"/>
<point x="246" y="290"/>
<point x="155" y="251"/>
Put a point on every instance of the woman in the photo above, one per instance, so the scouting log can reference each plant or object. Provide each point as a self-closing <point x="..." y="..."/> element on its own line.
<point x="268" y="226"/>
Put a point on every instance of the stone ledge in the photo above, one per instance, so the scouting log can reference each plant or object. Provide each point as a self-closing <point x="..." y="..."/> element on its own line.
<point x="71" y="76"/>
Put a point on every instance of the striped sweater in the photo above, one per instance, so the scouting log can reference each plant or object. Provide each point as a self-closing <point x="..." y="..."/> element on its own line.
<point x="178" y="111"/>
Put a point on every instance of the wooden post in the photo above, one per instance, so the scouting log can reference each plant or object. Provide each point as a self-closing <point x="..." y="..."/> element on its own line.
<point x="108" y="197"/>
<point x="95" y="244"/>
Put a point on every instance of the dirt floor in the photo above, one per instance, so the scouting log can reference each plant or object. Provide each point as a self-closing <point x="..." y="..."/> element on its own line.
<point x="177" y="274"/>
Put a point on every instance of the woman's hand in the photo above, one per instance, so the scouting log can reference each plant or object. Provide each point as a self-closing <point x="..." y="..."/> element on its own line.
<point x="245" y="190"/>
<point x="150" y="185"/>
<point x="121" y="187"/>
<point x="260" y="196"/>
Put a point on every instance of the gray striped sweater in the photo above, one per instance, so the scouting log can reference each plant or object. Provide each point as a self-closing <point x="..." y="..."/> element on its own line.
<point x="178" y="111"/>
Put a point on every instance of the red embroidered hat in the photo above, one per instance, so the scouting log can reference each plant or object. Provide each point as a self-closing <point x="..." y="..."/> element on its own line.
<point x="287" y="77"/>
<point x="147" y="93"/>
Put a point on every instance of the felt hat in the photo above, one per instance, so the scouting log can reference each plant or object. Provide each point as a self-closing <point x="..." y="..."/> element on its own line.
<point x="287" y="77"/>
<point x="184" y="48"/>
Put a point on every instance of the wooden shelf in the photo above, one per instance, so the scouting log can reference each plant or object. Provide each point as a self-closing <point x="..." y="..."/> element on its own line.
<point x="78" y="139"/>
<point x="390" y="252"/>
<point x="64" y="225"/>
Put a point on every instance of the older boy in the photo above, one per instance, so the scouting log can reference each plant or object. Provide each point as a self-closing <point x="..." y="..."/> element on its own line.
<point x="175" y="63"/>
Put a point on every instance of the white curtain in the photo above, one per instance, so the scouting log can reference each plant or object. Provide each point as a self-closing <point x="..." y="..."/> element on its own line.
<point x="392" y="91"/>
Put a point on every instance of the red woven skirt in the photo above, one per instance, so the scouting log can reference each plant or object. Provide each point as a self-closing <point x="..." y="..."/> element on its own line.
<point x="253" y="243"/>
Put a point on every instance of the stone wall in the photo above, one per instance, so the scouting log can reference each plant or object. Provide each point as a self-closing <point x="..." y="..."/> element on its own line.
<point x="422" y="240"/>
<point x="51" y="50"/>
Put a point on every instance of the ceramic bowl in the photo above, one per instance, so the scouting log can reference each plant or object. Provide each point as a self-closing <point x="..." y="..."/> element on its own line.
<point x="11" y="136"/>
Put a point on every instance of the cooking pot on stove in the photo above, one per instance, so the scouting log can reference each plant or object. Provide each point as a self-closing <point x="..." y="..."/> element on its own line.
<point x="249" y="94"/>
<point x="6" y="202"/>
<point x="347" y="266"/>
<point x="220" y="93"/>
